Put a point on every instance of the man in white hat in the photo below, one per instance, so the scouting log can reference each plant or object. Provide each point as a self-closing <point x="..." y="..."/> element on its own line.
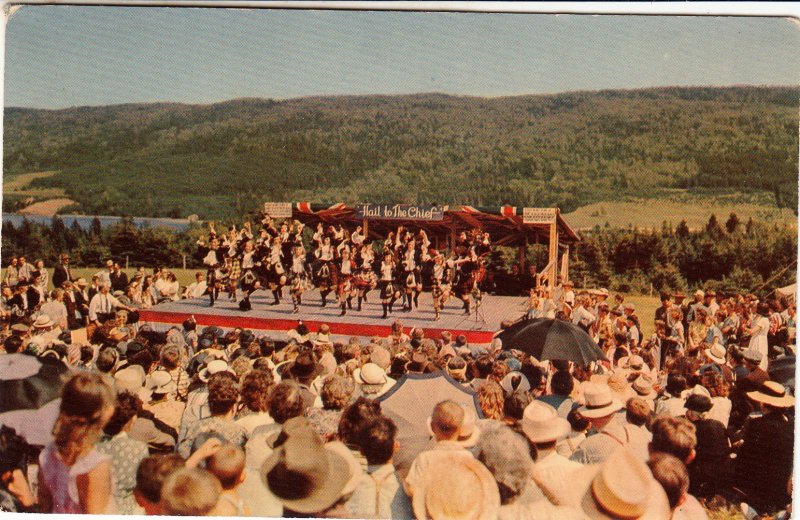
<point x="544" y="428"/>
<point x="372" y="380"/>
<point x="601" y="409"/>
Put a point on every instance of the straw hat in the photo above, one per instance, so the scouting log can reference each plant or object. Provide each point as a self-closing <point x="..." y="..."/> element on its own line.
<point x="469" y="432"/>
<point x="160" y="382"/>
<point x="214" y="367"/>
<point x="618" y="384"/>
<point x="599" y="401"/>
<point x="621" y="487"/>
<point x="772" y="393"/>
<point x="43" y="322"/>
<point x="716" y="353"/>
<point x="541" y="423"/>
<point x="457" y="488"/>
<point x="643" y="387"/>
<point x="753" y="355"/>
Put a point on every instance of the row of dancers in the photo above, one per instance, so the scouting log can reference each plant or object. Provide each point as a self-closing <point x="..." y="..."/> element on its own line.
<point x="344" y="263"/>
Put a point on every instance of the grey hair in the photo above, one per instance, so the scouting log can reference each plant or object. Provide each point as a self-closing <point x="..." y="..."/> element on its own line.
<point x="506" y="454"/>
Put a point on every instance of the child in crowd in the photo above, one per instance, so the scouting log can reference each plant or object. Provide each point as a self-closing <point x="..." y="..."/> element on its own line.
<point x="190" y="492"/>
<point x="150" y="477"/>
<point x="227" y="464"/>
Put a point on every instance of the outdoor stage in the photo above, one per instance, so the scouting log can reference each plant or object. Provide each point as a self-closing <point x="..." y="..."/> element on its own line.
<point x="275" y="320"/>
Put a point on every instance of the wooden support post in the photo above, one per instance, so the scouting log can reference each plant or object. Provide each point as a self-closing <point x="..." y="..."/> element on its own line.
<point x="553" y="255"/>
<point x="365" y="226"/>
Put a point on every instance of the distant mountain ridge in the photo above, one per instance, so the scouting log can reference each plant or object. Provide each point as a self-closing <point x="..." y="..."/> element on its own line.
<point x="572" y="149"/>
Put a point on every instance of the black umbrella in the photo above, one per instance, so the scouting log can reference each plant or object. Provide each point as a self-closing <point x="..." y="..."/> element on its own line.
<point x="782" y="370"/>
<point x="30" y="390"/>
<point x="545" y="338"/>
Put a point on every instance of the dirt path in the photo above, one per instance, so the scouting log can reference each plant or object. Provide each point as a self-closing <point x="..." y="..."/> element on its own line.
<point x="47" y="208"/>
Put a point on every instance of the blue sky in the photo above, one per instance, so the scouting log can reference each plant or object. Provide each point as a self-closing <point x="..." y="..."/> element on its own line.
<point x="60" y="56"/>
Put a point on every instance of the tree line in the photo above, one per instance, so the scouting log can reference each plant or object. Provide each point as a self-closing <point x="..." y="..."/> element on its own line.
<point x="729" y="256"/>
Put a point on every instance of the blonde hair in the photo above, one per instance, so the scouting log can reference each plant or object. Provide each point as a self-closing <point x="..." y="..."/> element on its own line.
<point x="190" y="492"/>
<point x="492" y="400"/>
<point x="85" y="400"/>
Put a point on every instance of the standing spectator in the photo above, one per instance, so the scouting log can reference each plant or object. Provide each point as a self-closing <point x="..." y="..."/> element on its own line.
<point x="118" y="278"/>
<point x="336" y="393"/>
<point x="673" y="477"/>
<point x="43" y="280"/>
<point x="170" y="360"/>
<point x="601" y="410"/>
<point x="12" y="273"/>
<point x="544" y="428"/>
<point x="125" y="453"/>
<point x="758" y="332"/>
<point x="764" y="462"/>
<point x="74" y="477"/>
<point x="163" y="404"/>
<point x="710" y="469"/>
<point x="24" y="270"/>
<point x="62" y="272"/>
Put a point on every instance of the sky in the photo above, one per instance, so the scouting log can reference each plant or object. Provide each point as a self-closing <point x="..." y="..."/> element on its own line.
<point x="62" y="56"/>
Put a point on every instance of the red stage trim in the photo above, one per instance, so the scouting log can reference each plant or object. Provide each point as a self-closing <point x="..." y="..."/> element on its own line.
<point x="342" y="329"/>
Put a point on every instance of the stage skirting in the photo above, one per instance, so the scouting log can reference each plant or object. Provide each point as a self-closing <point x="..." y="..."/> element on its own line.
<point x="275" y="320"/>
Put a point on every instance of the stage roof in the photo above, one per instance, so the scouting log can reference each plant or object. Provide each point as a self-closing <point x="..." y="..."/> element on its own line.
<point x="507" y="225"/>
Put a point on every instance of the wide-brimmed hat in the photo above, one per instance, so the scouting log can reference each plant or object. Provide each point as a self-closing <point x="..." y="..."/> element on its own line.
<point x="42" y="322"/>
<point x="772" y="393"/>
<point x="602" y="292"/>
<point x="81" y="282"/>
<point x="160" y="382"/>
<point x="716" y="353"/>
<point x="214" y="366"/>
<point x="304" y="366"/>
<point x="753" y="355"/>
<point x="619" y="386"/>
<point x="302" y="474"/>
<point x="541" y="423"/>
<point x="370" y="374"/>
<point x="20" y="328"/>
<point x="457" y="487"/>
<point x="620" y="487"/>
<point x="634" y="363"/>
<point x="129" y="379"/>
<point x="381" y="357"/>
<point x="643" y="386"/>
<point x="599" y="401"/>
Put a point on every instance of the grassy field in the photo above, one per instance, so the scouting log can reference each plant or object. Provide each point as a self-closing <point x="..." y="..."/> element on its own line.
<point x="676" y="205"/>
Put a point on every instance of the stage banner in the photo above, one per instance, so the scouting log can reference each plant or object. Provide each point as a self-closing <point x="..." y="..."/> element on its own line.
<point x="278" y="209"/>
<point x="538" y="215"/>
<point x="399" y="212"/>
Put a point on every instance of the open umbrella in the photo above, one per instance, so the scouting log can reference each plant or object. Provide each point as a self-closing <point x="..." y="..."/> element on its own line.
<point x="782" y="370"/>
<point x="545" y="338"/>
<point x="30" y="390"/>
<point x="410" y="402"/>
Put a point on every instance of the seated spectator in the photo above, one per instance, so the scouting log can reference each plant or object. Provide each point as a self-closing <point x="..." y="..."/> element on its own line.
<point x="150" y="477"/>
<point x="189" y="492"/>
<point x="673" y="477"/>
<point x="445" y="422"/>
<point x="256" y="392"/>
<point x="223" y="394"/>
<point x="620" y="488"/>
<point x="456" y="488"/>
<point x="126" y="453"/>
<point x="336" y="394"/>
<point x="379" y="492"/>
<point x="675" y="436"/>
<point x="228" y="464"/>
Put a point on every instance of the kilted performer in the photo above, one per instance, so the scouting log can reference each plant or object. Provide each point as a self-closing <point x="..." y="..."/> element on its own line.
<point x="345" y="287"/>
<point x="389" y="293"/>
<point x="298" y="276"/>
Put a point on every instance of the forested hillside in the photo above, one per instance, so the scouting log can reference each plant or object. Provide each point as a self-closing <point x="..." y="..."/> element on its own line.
<point x="570" y="150"/>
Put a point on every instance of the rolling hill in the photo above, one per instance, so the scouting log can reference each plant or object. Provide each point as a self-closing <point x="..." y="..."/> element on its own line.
<point x="573" y="150"/>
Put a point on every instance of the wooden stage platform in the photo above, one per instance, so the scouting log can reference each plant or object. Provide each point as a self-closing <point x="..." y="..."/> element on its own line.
<point x="274" y="320"/>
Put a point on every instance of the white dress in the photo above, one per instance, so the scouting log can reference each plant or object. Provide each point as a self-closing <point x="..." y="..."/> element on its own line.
<point x="758" y="340"/>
